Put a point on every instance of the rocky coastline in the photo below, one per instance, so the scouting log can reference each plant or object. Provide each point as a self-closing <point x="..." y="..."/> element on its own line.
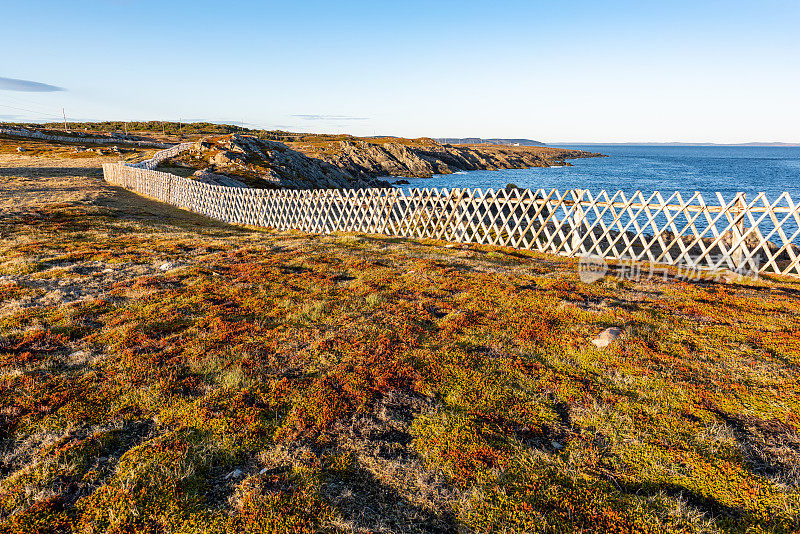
<point x="354" y="163"/>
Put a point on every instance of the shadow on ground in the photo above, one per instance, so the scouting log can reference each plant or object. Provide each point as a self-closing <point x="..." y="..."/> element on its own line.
<point x="386" y="511"/>
<point x="51" y="171"/>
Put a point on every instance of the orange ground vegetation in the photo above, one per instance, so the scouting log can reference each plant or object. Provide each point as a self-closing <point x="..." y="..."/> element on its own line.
<point x="259" y="381"/>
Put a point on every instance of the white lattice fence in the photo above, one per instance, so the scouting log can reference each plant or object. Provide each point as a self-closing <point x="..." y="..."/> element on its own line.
<point x="756" y="234"/>
<point x="162" y="155"/>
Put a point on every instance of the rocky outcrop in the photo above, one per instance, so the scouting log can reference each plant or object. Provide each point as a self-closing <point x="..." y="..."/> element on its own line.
<point x="354" y="163"/>
<point x="389" y="159"/>
<point x="270" y="164"/>
<point x="396" y="159"/>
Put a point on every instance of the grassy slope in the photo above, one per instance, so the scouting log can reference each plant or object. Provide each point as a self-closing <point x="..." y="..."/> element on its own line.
<point x="278" y="381"/>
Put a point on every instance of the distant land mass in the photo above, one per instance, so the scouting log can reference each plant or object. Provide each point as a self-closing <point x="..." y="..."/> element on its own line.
<point x="478" y="140"/>
<point x="644" y="143"/>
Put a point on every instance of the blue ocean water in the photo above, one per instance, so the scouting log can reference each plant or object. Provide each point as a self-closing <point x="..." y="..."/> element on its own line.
<point x="687" y="169"/>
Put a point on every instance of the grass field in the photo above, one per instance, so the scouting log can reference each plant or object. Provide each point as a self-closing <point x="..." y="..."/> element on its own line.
<point x="160" y="372"/>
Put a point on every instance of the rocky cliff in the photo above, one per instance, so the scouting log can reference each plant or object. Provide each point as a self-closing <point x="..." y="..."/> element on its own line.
<point x="419" y="161"/>
<point x="263" y="163"/>
<point x="353" y="162"/>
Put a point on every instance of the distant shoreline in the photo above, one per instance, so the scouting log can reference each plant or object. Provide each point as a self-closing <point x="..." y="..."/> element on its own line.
<point x="756" y="145"/>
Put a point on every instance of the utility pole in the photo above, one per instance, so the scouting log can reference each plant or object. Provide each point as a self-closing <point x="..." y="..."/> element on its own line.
<point x="180" y="125"/>
<point x="163" y="130"/>
<point x="126" y="128"/>
<point x="64" y="114"/>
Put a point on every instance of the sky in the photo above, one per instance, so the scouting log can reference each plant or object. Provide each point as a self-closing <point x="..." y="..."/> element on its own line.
<point x="569" y="71"/>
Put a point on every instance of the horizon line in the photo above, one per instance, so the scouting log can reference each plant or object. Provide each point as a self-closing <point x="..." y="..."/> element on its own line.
<point x="677" y="143"/>
<point x="607" y="143"/>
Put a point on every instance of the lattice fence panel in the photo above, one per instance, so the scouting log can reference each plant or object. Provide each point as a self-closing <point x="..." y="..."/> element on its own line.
<point x="755" y="234"/>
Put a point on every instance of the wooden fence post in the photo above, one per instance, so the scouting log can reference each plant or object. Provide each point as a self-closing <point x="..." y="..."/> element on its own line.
<point x="738" y="248"/>
<point x="577" y="222"/>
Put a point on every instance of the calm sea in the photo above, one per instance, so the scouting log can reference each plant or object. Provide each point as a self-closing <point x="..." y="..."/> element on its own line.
<point x="727" y="170"/>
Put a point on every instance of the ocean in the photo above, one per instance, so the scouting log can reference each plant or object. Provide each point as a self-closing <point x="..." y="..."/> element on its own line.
<point x="687" y="169"/>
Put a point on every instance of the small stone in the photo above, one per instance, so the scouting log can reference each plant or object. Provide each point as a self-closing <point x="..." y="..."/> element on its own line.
<point x="606" y="337"/>
<point x="21" y="149"/>
<point x="234" y="474"/>
<point x="166" y="267"/>
<point x="108" y="270"/>
<point x="556" y="445"/>
<point x="733" y="277"/>
<point x="263" y="471"/>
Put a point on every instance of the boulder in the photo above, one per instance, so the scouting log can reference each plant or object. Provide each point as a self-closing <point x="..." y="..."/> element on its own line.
<point x="226" y="158"/>
<point x="606" y="337"/>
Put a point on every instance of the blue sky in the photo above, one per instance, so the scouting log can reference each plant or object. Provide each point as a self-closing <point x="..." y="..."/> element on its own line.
<point x="555" y="71"/>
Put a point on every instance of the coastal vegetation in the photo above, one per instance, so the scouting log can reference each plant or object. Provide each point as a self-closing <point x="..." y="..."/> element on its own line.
<point x="162" y="372"/>
<point x="148" y="127"/>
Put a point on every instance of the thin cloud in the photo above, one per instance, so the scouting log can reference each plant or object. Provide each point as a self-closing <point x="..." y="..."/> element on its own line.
<point x="330" y="118"/>
<point x="27" y="86"/>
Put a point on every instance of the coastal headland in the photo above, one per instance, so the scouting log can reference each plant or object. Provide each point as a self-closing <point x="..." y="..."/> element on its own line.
<point x="274" y="159"/>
